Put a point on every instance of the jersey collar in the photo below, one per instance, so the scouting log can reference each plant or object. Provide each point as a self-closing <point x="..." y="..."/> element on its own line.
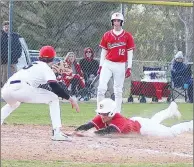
<point x="112" y="32"/>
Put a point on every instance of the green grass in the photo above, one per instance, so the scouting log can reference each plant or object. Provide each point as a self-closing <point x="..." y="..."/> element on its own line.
<point x="15" y="163"/>
<point x="39" y="113"/>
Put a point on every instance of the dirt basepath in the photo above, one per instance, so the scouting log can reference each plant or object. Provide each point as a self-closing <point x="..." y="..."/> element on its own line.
<point x="21" y="142"/>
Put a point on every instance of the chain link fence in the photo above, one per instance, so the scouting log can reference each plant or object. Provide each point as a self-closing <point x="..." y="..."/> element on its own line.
<point x="77" y="27"/>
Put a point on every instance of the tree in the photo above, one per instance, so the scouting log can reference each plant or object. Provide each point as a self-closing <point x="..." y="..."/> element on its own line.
<point x="65" y="25"/>
<point x="186" y="17"/>
<point x="158" y="31"/>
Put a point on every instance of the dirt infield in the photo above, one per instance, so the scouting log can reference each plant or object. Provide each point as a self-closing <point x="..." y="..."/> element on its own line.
<point x="21" y="142"/>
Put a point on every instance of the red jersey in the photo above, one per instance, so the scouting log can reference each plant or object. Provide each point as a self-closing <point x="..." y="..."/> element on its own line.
<point x="121" y="123"/>
<point x="117" y="45"/>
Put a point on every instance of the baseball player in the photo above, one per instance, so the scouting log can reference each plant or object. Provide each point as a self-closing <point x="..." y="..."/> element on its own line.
<point x="117" y="49"/>
<point x="109" y="121"/>
<point x="22" y="87"/>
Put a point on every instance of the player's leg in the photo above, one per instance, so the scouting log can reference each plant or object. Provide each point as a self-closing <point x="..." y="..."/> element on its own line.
<point x="11" y="105"/>
<point x="30" y="94"/>
<point x="119" y="77"/>
<point x="7" y="109"/>
<point x="171" y="111"/>
<point x="151" y="128"/>
<point x="182" y="127"/>
<point x="105" y="76"/>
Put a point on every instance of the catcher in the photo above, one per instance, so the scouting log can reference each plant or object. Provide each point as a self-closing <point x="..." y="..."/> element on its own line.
<point x="109" y="122"/>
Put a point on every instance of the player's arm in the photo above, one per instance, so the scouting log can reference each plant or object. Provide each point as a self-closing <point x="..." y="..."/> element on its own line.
<point x="130" y="58"/>
<point x="102" y="56"/>
<point x="58" y="90"/>
<point x="107" y="130"/>
<point x="85" y="127"/>
<point x="130" y="48"/>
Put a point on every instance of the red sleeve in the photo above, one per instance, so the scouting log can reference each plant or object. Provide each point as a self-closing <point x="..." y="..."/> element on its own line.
<point x="97" y="122"/>
<point x="103" y="42"/>
<point x="130" y="42"/>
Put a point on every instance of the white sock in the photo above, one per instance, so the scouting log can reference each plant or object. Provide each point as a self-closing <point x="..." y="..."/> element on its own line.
<point x="55" y="114"/>
<point x="118" y="99"/>
<point x="118" y="102"/>
<point x="99" y="98"/>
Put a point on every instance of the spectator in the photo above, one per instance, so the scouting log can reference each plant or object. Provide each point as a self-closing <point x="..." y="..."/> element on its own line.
<point x="181" y="73"/>
<point x="70" y="72"/>
<point x="16" y="51"/>
<point x="88" y="65"/>
<point x="90" y="68"/>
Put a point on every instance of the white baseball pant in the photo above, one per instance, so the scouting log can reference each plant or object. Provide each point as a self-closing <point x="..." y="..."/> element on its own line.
<point x="152" y="127"/>
<point x="117" y="70"/>
<point x="17" y="93"/>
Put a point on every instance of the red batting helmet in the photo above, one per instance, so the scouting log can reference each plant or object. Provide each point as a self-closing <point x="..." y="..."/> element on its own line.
<point x="47" y="52"/>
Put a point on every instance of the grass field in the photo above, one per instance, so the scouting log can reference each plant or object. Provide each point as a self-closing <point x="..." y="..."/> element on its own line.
<point x="72" y="164"/>
<point x="39" y="114"/>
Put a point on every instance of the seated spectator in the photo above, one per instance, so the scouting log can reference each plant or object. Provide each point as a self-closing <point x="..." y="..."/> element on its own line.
<point x="181" y="73"/>
<point x="88" y="65"/>
<point x="70" y="72"/>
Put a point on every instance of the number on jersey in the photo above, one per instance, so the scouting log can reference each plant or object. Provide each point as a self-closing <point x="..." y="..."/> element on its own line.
<point x="121" y="52"/>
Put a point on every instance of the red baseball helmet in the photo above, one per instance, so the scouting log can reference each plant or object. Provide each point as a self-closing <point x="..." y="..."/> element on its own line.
<point x="47" y="52"/>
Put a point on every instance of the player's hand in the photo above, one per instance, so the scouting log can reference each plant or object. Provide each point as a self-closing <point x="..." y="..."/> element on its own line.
<point x="74" y="104"/>
<point x="128" y="73"/>
<point x="99" y="70"/>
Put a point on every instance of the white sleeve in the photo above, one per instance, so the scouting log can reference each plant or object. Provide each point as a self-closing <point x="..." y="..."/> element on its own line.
<point x="130" y="58"/>
<point x="102" y="56"/>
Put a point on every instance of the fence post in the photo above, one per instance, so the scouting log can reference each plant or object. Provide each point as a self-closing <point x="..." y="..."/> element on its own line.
<point x="193" y="50"/>
<point x="9" y="38"/>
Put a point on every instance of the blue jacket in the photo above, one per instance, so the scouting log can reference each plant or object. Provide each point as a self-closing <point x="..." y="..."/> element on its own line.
<point x="16" y="47"/>
<point x="181" y="73"/>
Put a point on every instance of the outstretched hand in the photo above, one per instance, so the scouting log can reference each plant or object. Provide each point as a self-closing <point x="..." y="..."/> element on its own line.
<point x="74" y="104"/>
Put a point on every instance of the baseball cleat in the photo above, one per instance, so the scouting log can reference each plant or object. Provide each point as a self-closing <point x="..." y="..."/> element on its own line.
<point x="61" y="137"/>
<point x="174" y="110"/>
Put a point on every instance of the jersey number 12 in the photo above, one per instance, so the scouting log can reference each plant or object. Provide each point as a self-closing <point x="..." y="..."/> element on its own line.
<point x="121" y="52"/>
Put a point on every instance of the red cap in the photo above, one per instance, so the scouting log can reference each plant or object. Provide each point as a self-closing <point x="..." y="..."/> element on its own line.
<point x="47" y="52"/>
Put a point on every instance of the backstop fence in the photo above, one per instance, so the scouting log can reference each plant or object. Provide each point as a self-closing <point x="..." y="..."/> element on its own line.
<point x="159" y="31"/>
